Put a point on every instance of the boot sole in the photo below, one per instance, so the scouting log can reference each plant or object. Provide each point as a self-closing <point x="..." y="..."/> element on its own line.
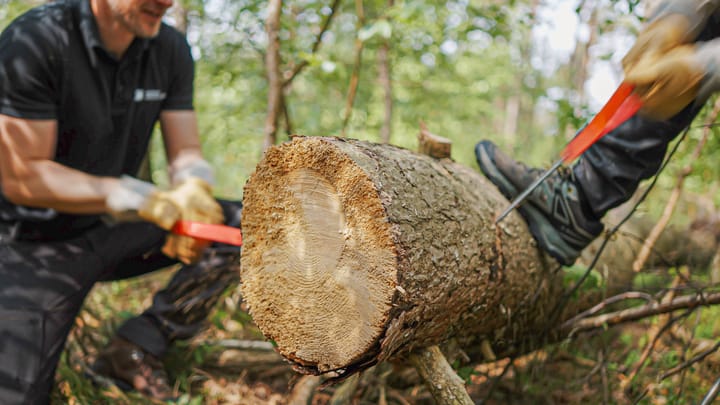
<point x="540" y="228"/>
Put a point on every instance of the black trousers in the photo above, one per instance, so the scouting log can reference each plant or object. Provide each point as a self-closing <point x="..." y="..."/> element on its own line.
<point x="610" y="171"/>
<point x="43" y="286"/>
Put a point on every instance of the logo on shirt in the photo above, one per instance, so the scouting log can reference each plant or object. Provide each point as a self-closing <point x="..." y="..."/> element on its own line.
<point x="149" y="95"/>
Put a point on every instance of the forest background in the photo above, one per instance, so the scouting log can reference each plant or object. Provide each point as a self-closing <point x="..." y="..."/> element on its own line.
<point x="525" y="74"/>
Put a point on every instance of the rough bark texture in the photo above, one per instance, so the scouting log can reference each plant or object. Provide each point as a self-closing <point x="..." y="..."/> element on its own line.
<point x="356" y="252"/>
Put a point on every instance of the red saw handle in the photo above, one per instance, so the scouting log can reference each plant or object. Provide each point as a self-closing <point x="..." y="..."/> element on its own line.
<point x="622" y="105"/>
<point x="211" y="232"/>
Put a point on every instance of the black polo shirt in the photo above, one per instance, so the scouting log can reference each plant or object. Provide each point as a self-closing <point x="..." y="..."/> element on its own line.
<point x="53" y="66"/>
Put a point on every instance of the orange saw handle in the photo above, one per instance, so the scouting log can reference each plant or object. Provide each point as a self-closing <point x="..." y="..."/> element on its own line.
<point x="211" y="232"/>
<point x="622" y="105"/>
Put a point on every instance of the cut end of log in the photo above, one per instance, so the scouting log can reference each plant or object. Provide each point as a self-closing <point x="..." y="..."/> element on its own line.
<point x="314" y="221"/>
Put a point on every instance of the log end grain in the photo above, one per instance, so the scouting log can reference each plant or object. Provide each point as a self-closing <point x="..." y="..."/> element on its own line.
<point x="313" y="225"/>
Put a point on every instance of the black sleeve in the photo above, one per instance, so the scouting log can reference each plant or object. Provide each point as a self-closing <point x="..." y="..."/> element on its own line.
<point x="30" y="71"/>
<point x="182" y="74"/>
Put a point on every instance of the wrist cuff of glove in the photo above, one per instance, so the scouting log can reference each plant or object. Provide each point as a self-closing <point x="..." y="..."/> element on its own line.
<point x="199" y="168"/>
<point x="125" y="200"/>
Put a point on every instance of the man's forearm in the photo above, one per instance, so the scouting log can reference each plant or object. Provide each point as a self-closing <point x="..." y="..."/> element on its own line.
<point x="51" y="185"/>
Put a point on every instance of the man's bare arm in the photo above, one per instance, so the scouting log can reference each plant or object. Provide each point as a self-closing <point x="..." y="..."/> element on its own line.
<point x="182" y="145"/>
<point x="29" y="176"/>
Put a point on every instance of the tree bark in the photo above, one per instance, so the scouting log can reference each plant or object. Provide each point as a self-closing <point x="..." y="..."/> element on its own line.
<point x="356" y="252"/>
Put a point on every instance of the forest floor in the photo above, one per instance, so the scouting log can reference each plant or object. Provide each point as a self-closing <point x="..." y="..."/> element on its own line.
<point x="231" y="363"/>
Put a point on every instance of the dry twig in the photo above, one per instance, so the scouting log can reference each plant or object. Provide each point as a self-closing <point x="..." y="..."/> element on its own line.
<point x="634" y="314"/>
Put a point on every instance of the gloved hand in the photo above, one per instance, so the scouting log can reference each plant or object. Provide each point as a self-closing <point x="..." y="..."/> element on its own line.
<point x="668" y="83"/>
<point x="658" y="37"/>
<point x="193" y="202"/>
<point x="132" y="199"/>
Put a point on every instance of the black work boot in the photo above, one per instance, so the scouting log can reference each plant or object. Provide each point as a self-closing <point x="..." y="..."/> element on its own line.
<point x="131" y="368"/>
<point x="555" y="211"/>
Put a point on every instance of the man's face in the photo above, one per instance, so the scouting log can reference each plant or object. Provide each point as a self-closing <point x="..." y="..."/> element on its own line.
<point x="140" y="17"/>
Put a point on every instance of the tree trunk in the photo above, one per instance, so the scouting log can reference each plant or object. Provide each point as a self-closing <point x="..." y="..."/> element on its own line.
<point x="356" y="252"/>
<point x="272" y="65"/>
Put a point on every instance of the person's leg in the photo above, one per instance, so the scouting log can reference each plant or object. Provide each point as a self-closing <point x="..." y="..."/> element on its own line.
<point x="610" y="171"/>
<point x="181" y="308"/>
<point x="178" y="311"/>
<point x="564" y="212"/>
<point x="43" y="287"/>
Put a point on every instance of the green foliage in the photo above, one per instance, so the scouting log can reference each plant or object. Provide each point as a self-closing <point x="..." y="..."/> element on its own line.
<point x="464" y="372"/>
<point x="574" y="274"/>
<point x="708" y="327"/>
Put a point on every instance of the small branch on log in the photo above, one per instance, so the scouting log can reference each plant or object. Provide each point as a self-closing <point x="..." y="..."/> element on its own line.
<point x="290" y="76"/>
<point x="355" y="77"/>
<point x="675" y="194"/>
<point x="272" y="65"/>
<point x="442" y="381"/>
<point x="633" y="314"/>
<point x="433" y="145"/>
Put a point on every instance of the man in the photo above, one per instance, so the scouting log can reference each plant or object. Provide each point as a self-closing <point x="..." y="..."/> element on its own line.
<point x="675" y="66"/>
<point x="82" y="84"/>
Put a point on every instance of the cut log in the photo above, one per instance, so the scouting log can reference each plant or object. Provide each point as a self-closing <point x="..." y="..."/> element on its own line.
<point x="356" y="252"/>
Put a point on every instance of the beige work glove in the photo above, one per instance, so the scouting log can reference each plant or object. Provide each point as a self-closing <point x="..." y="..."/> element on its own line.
<point x="670" y="24"/>
<point x="670" y="82"/>
<point x="189" y="200"/>
<point x="657" y="38"/>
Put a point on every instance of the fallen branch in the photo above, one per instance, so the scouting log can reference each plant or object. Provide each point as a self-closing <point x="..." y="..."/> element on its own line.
<point x="634" y="314"/>
<point x="442" y="381"/>
<point x="682" y="366"/>
<point x="656" y="333"/>
<point x="630" y="295"/>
